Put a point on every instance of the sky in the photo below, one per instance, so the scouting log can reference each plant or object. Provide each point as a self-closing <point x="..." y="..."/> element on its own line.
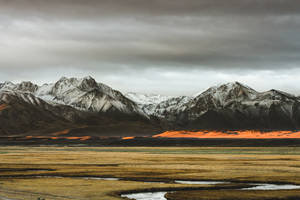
<point x="170" y="47"/>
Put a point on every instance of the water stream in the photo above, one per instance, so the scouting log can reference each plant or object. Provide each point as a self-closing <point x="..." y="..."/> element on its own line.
<point x="200" y="182"/>
<point x="161" y="195"/>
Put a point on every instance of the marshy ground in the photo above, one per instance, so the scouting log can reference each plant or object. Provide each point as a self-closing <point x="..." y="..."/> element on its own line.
<point x="62" y="172"/>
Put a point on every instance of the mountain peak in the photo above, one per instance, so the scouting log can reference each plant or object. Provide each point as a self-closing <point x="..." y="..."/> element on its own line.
<point x="63" y="78"/>
<point x="278" y="94"/>
<point x="8" y="82"/>
<point x="88" y="83"/>
<point x="27" y="86"/>
<point x="84" y="83"/>
<point x="233" y="85"/>
<point x="7" y="85"/>
<point x="227" y="88"/>
<point x="143" y="99"/>
<point x="88" y="78"/>
<point x="232" y="91"/>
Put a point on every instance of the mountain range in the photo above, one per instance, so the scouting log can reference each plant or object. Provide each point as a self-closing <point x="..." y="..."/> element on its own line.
<point x="81" y="106"/>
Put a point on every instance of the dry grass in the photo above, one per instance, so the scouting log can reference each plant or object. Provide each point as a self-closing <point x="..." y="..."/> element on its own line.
<point x="237" y="164"/>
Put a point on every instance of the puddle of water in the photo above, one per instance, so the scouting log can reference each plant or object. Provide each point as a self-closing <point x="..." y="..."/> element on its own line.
<point x="273" y="187"/>
<point x="92" y="178"/>
<point x="161" y="195"/>
<point x="98" y="178"/>
<point x="48" y="176"/>
<point x="154" y="182"/>
<point x="146" y="196"/>
<point x="200" y="182"/>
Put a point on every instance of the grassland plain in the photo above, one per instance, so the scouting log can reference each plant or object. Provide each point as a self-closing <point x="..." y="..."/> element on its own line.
<point x="56" y="172"/>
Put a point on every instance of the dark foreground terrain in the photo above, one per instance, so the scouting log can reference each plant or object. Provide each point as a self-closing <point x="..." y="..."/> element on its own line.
<point x="149" y="141"/>
<point x="106" y="173"/>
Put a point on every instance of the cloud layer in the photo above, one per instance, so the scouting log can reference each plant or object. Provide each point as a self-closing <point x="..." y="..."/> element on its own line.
<point x="162" y="46"/>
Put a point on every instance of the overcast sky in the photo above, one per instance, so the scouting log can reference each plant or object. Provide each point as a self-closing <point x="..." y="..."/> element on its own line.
<point x="172" y="47"/>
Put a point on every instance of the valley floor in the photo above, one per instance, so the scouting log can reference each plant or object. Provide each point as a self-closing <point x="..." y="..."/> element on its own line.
<point x="61" y="173"/>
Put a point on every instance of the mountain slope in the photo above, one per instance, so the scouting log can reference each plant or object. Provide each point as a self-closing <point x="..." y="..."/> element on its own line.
<point x="70" y="104"/>
<point x="85" y="107"/>
<point x="86" y="94"/>
<point x="147" y="102"/>
<point x="81" y="93"/>
<point x="146" y="98"/>
<point x="23" y="112"/>
<point x="236" y="106"/>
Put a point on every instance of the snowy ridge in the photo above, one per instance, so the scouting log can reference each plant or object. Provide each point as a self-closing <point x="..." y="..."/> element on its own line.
<point x="229" y="92"/>
<point x="229" y="103"/>
<point x="232" y="101"/>
<point x="8" y="96"/>
<point x="236" y="105"/>
<point x="169" y="106"/>
<point x="81" y="93"/>
<point x="147" y="98"/>
<point x="24" y="86"/>
<point x="148" y="102"/>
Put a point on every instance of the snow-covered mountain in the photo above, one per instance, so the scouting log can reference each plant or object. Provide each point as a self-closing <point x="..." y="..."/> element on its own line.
<point x="234" y="105"/>
<point x="236" y="95"/>
<point x="228" y="106"/>
<point x="9" y="96"/>
<point x="146" y="98"/>
<point x="78" y="104"/>
<point x="21" y="112"/>
<point x="81" y="93"/>
<point x="25" y="86"/>
<point x="87" y="94"/>
<point x="169" y="106"/>
<point x="147" y="102"/>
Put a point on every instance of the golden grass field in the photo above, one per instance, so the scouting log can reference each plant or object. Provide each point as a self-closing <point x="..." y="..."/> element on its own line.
<point x="19" y="167"/>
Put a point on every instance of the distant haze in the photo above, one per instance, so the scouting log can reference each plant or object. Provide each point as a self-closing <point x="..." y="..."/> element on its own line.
<point x="170" y="47"/>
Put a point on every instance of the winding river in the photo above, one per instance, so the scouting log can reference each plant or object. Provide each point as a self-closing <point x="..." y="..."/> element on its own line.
<point x="253" y="186"/>
<point x="146" y="196"/>
<point x="160" y="195"/>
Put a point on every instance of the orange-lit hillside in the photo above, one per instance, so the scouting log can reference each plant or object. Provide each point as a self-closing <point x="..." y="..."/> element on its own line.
<point x="64" y="132"/>
<point x="3" y="106"/>
<point x="230" y="134"/>
<point x="127" y="138"/>
<point x="82" y="138"/>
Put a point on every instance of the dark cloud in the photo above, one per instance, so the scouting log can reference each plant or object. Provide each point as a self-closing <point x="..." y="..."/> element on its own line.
<point x="92" y="8"/>
<point x="232" y="39"/>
